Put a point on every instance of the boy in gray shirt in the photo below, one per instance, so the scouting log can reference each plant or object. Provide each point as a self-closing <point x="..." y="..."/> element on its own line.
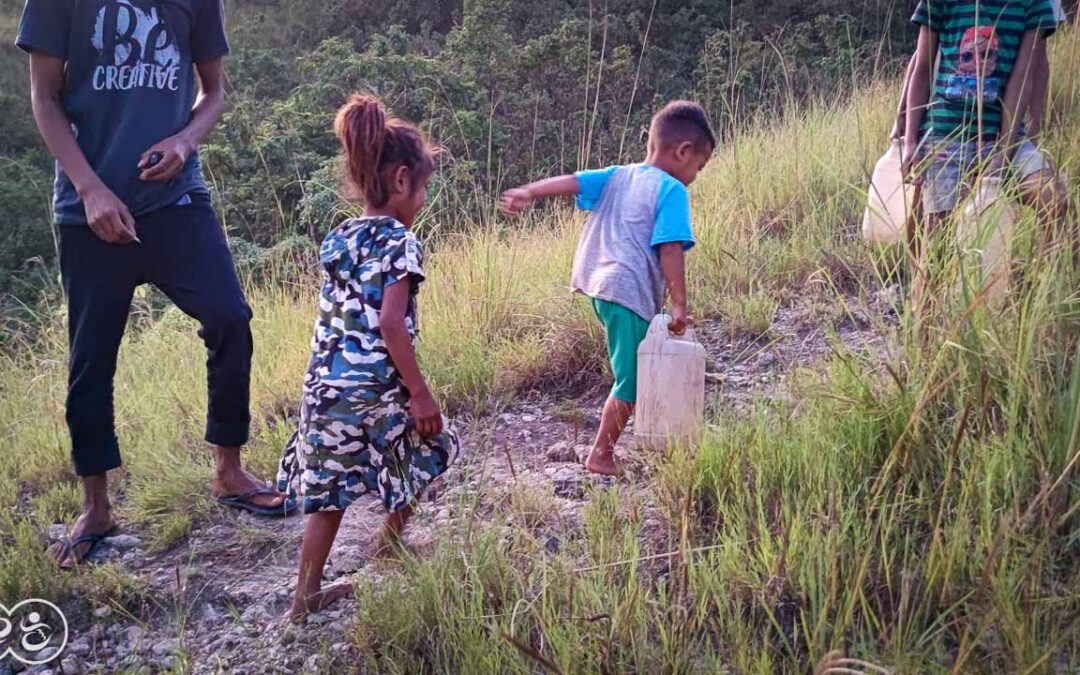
<point x="631" y="253"/>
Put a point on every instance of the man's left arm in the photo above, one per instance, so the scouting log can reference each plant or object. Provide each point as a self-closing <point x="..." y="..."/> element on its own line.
<point x="176" y="149"/>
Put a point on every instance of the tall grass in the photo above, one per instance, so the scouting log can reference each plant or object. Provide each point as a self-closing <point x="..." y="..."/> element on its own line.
<point x="919" y="513"/>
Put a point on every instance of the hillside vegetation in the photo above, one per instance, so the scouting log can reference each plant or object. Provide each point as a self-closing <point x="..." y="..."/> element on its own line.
<point x="918" y="509"/>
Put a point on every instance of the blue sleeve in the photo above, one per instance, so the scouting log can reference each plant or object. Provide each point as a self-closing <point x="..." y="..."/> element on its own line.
<point x="673" y="215"/>
<point x="591" y="186"/>
<point x="45" y="27"/>
<point x="208" y="41"/>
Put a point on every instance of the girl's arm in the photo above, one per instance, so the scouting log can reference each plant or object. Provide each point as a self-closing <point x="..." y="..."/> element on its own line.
<point x="673" y="267"/>
<point x="918" y="93"/>
<point x="514" y="201"/>
<point x="395" y="334"/>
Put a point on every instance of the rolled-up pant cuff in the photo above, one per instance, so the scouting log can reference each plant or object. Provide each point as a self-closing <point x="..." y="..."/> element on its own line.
<point x="227" y="434"/>
<point x="98" y="461"/>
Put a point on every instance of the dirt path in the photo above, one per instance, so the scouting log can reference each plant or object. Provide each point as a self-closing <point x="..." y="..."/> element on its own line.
<point x="217" y="601"/>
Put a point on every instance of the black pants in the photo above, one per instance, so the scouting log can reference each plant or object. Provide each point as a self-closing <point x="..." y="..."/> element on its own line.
<point x="183" y="253"/>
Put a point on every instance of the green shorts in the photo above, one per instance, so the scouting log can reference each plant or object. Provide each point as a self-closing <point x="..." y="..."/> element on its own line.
<point x="625" y="331"/>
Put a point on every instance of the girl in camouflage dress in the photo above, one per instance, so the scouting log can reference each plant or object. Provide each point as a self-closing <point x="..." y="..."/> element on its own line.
<point x="368" y="422"/>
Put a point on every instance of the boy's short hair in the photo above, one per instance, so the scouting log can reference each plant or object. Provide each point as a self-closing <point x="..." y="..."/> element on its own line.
<point x="681" y="122"/>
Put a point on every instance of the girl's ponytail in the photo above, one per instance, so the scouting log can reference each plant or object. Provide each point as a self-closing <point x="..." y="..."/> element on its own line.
<point x="373" y="142"/>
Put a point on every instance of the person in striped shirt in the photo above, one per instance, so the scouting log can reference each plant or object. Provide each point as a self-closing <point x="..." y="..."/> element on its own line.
<point x="967" y="118"/>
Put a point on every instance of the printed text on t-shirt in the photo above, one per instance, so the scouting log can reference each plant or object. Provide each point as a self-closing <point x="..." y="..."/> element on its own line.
<point x="136" y="49"/>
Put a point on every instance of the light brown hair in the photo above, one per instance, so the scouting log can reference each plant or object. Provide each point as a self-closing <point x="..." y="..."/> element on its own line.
<point x="376" y="144"/>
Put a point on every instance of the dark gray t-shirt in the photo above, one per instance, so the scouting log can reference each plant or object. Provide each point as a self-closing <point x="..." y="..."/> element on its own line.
<point x="129" y="82"/>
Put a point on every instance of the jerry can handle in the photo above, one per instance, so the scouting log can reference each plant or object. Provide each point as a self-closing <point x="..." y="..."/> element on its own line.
<point x="659" y="326"/>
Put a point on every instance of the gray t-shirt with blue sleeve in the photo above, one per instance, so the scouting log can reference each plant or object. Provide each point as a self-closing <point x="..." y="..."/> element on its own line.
<point x="129" y="82"/>
<point x="633" y="209"/>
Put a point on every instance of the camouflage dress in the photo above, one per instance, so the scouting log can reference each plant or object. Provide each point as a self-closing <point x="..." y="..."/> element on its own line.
<point x="355" y="434"/>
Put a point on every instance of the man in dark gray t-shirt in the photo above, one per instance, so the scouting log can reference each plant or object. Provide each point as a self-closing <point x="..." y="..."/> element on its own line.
<point x="123" y="92"/>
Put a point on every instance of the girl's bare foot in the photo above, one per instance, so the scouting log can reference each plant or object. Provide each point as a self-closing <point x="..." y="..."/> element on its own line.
<point x="303" y="605"/>
<point x="602" y="463"/>
<point x="386" y="547"/>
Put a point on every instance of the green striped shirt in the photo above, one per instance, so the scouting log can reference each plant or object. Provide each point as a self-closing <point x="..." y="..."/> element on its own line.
<point x="979" y="42"/>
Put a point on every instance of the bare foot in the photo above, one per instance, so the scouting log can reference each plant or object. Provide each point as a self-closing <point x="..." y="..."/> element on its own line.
<point x="233" y="482"/>
<point x="87" y="524"/>
<point x="316" y="602"/>
<point x="386" y="547"/>
<point x="602" y="463"/>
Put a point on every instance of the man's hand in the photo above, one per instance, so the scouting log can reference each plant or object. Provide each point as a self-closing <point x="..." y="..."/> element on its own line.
<point x="427" y="414"/>
<point x="514" y="202"/>
<point x="108" y="217"/>
<point x="172" y="154"/>
<point x="680" y="320"/>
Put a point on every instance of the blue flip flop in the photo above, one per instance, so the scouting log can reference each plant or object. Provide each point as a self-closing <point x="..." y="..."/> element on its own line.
<point x="93" y="539"/>
<point x="244" y="503"/>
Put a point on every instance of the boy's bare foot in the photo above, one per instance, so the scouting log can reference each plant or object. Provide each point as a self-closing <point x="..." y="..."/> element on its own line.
<point x="316" y="602"/>
<point x="602" y="463"/>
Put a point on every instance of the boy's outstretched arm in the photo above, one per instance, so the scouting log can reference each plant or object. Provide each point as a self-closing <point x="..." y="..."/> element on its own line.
<point x="516" y="200"/>
<point x="673" y="267"/>
<point x="918" y="93"/>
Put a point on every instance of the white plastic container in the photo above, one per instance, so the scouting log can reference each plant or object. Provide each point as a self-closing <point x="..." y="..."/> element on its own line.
<point x="888" y="201"/>
<point x="984" y="233"/>
<point x="671" y="387"/>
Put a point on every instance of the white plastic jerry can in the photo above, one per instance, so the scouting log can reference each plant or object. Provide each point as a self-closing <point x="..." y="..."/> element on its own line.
<point x="984" y="233"/>
<point x="671" y="387"/>
<point x="888" y="201"/>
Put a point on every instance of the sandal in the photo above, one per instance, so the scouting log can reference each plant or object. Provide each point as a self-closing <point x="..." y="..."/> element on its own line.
<point x="244" y="503"/>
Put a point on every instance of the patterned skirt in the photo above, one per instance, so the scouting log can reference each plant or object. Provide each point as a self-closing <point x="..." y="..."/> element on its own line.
<point x="353" y="442"/>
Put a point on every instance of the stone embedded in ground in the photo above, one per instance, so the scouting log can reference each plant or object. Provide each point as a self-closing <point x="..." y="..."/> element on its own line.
<point x="122" y="542"/>
<point x="69" y="665"/>
<point x="562" y="452"/>
<point x="133" y="636"/>
<point x="566" y="479"/>
<point x="57" y="532"/>
<point x="102" y="612"/>
<point x="79" y="647"/>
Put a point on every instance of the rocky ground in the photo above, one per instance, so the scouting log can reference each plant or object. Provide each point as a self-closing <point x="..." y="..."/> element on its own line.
<point x="216" y="603"/>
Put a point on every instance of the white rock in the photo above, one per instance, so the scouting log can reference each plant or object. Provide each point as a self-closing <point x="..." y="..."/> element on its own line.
<point x="102" y="612"/>
<point x="80" y="647"/>
<point x="57" y="532"/>
<point x="122" y="542"/>
<point x="69" y="665"/>
<point x="133" y="635"/>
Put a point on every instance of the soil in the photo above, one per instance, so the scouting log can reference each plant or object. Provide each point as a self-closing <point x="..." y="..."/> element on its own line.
<point x="220" y="598"/>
